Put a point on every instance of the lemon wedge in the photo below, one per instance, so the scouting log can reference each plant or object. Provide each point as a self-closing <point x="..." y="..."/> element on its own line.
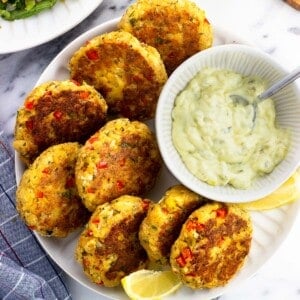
<point x="288" y="192"/>
<point x="150" y="285"/>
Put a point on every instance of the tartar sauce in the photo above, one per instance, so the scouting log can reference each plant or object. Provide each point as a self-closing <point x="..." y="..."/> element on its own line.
<point x="223" y="141"/>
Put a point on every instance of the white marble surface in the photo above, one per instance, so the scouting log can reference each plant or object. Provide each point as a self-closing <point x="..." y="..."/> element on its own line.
<point x="271" y="25"/>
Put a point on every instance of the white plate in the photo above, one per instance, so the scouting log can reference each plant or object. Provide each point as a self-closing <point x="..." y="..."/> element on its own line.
<point x="29" y="32"/>
<point x="270" y="227"/>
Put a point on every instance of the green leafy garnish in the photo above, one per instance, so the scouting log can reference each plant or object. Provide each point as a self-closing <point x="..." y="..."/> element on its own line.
<point x="19" y="9"/>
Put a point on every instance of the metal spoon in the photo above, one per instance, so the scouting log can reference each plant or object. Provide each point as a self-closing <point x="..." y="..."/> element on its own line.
<point x="268" y="93"/>
<point x="271" y="90"/>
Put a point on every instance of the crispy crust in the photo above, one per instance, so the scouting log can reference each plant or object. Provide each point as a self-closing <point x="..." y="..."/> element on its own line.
<point x="212" y="246"/>
<point x="50" y="206"/>
<point x="164" y="220"/>
<point x="108" y="248"/>
<point x="177" y="29"/>
<point x="129" y="74"/>
<point x="121" y="158"/>
<point x="56" y="112"/>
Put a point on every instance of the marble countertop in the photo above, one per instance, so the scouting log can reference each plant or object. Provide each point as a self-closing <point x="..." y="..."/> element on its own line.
<point x="271" y="25"/>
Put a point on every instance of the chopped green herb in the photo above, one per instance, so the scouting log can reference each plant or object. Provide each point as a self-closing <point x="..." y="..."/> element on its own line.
<point x="153" y="227"/>
<point x="159" y="40"/>
<point x="132" y="21"/>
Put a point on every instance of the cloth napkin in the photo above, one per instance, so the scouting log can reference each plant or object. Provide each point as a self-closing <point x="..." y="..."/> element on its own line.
<point x="26" y="271"/>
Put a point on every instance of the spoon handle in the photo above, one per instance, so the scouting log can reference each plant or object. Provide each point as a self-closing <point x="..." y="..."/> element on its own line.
<point x="280" y="84"/>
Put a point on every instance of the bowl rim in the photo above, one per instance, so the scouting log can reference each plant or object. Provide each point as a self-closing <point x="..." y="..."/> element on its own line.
<point x="219" y="193"/>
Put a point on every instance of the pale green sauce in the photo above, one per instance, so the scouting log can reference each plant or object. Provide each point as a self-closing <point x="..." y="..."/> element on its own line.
<point x="223" y="142"/>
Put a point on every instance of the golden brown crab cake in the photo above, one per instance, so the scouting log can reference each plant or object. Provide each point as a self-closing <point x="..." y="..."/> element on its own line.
<point x="121" y="158"/>
<point x="177" y="29"/>
<point x="164" y="220"/>
<point x="47" y="197"/>
<point x="212" y="245"/>
<point x="108" y="248"/>
<point x="128" y="73"/>
<point x="57" y="112"/>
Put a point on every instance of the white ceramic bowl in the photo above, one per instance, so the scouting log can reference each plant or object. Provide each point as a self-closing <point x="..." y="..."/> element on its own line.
<point x="245" y="60"/>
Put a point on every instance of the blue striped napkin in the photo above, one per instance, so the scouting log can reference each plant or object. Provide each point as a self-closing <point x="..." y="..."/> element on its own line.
<point x="26" y="271"/>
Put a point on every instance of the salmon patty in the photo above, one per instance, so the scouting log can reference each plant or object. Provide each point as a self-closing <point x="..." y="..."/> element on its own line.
<point x="177" y="29"/>
<point x="212" y="245"/>
<point x="108" y="249"/>
<point x="121" y="158"/>
<point x="57" y="112"/>
<point x="128" y="73"/>
<point x="47" y="197"/>
<point x="164" y="220"/>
